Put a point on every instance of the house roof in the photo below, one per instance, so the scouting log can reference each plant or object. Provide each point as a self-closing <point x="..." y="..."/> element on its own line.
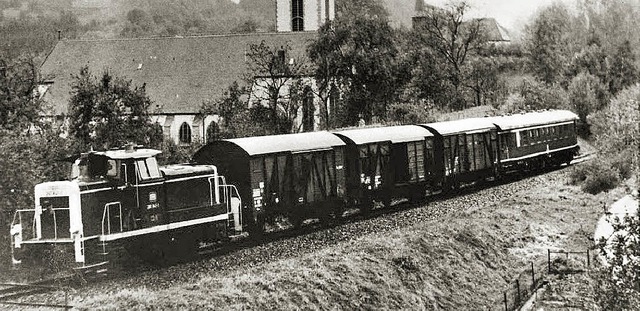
<point x="179" y="73"/>
<point x="493" y="30"/>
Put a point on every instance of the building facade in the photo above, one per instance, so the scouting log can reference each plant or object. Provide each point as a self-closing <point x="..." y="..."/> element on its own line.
<point x="180" y="74"/>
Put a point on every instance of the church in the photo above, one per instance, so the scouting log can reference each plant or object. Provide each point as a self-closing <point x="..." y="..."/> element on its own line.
<point x="182" y="73"/>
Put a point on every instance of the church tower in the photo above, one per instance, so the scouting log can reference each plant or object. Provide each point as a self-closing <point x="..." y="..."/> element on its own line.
<point x="303" y="15"/>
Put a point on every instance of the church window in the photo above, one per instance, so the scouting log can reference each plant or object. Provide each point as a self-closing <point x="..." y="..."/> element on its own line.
<point x="297" y="15"/>
<point x="185" y="133"/>
<point x="308" y="111"/>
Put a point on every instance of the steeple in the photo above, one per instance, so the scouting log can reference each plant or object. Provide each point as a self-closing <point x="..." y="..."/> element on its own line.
<point x="303" y="15"/>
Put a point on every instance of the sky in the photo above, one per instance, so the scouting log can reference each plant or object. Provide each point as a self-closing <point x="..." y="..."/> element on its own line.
<point x="511" y="14"/>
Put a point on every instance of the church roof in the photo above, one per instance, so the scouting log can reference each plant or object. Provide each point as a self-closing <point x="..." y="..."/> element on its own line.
<point x="493" y="30"/>
<point x="179" y="73"/>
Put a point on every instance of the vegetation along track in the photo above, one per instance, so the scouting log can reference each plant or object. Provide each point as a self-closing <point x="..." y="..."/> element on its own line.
<point x="289" y="243"/>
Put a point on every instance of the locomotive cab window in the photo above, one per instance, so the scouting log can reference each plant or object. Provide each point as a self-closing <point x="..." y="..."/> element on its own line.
<point x="148" y="169"/>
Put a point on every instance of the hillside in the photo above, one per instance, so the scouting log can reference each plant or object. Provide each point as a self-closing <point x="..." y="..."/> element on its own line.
<point x="457" y="253"/>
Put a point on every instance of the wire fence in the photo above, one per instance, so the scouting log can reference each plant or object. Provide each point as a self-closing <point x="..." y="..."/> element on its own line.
<point x="528" y="281"/>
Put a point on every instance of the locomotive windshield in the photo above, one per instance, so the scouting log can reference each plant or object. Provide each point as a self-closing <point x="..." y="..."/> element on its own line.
<point x="94" y="168"/>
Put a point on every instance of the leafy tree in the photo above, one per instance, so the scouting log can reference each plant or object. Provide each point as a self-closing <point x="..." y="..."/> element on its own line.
<point x="624" y="71"/>
<point x="233" y="112"/>
<point x="447" y="33"/>
<point x="428" y="77"/>
<point x="356" y="52"/>
<point x="483" y="80"/>
<point x="272" y="71"/>
<point x="545" y="43"/>
<point x="20" y="105"/>
<point x="537" y="95"/>
<point x="109" y="113"/>
<point x="618" y="282"/>
<point x="138" y="24"/>
<point x="583" y="95"/>
<point x="616" y="126"/>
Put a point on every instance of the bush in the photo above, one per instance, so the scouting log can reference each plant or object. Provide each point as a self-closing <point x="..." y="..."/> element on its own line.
<point x="622" y="163"/>
<point x="600" y="176"/>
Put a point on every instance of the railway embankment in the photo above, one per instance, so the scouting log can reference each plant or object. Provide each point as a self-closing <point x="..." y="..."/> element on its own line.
<point x="451" y="254"/>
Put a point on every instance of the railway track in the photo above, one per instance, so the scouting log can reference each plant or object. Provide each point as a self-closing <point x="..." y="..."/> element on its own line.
<point x="17" y="294"/>
<point x="398" y="205"/>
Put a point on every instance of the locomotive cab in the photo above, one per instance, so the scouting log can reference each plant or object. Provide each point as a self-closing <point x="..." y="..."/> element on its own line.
<point x="124" y="199"/>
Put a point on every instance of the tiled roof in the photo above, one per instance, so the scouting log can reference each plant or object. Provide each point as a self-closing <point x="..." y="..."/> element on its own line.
<point x="180" y="73"/>
<point x="493" y="30"/>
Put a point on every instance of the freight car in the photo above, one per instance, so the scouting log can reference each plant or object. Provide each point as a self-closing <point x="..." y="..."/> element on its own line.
<point x="122" y="198"/>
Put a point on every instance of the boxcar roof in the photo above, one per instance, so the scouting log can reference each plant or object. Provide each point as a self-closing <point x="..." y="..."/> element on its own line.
<point x="287" y="143"/>
<point x="395" y="134"/>
<point x="533" y="119"/>
<point x="461" y="126"/>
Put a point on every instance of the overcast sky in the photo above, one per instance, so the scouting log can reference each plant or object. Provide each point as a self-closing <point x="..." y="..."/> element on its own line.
<point x="512" y="14"/>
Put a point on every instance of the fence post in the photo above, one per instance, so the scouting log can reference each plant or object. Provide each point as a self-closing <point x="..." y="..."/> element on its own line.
<point x="506" y="306"/>
<point x="518" y="287"/>
<point x="533" y="277"/>
<point x="549" y="260"/>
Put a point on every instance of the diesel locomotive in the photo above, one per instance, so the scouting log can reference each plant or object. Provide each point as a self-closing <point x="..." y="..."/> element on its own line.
<point x="122" y="199"/>
<point x="237" y="187"/>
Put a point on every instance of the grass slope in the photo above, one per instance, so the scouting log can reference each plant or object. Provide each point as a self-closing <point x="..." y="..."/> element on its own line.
<point x="458" y="263"/>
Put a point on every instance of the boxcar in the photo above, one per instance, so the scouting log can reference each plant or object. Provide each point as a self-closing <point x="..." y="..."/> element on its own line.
<point x="537" y="139"/>
<point x="387" y="162"/>
<point x="465" y="150"/>
<point x="298" y="176"/>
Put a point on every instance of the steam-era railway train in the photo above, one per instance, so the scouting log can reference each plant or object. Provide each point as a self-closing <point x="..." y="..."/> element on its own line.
<point x="236" y="186"/>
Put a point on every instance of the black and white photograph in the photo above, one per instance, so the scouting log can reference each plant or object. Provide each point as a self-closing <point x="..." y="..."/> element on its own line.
<point x="319" y="155"/>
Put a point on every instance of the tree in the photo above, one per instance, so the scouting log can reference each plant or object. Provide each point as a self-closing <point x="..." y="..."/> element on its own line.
<point x="583" y="95"/>
<point x="545" y="43"/>
<point x="138" y="24"/>
<point x="109" y="113"/>
<point x="616" y="126"/>
<point x="447" y="33"/>
<point x="357" y="53"/>
<point x="483" y="79"/>
<point x="233" y="112"/>
<point x="20" y="105"/>
<point x="538" y="95"/>
<point x="618" y="281"/>
<point x="624" y="71"/>
<point x="272" y="71"/>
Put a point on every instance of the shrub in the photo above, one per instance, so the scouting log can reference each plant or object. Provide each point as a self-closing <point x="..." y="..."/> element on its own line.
<point x="600" y="176"/>
<point x="622" y="163"/>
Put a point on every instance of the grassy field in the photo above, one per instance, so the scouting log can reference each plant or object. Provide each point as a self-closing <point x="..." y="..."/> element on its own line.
<point x="461" y="262"/>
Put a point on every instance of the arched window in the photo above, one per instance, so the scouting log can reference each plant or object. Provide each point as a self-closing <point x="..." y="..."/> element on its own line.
<point x="297" y="15"/>
<point x="308" y="110"/>
<point x="185" y="133"/>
